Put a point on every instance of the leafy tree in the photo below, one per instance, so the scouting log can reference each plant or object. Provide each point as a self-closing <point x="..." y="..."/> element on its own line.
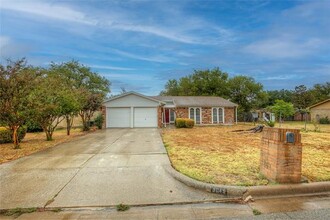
<point x="283" y="94"/>
<point x="246" y="92"/>
<point x="171" y="88"/>
<point x="16" y="84"/>
<point x="302" y="98"/>
<point x="320" y="92"/>
<point x="92" y="103"/>
<point x="209" y="82"/>
<point x="201" y="82"/>
<point x="90" y="87"/>
<point x="71" y="105"/>
<point x="51" y="99"/>
<point x="282" y="109"/>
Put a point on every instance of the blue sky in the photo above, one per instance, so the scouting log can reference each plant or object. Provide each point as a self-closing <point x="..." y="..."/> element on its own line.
<point x="139" y="45"/>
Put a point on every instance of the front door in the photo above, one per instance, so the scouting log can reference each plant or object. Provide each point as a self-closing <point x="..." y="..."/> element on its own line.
<point x="167" y="116"/>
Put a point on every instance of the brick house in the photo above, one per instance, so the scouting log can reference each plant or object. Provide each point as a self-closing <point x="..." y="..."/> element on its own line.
<point x="133" y="109"/>
<point x="320" y="110"/>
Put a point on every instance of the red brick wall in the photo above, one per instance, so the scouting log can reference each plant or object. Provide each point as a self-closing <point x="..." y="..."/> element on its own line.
<point x="281" y="161"/>
<point x="206" y="115"/>
<point x="160" y="116"/>
<point x="181" y="112"/>
<point x="103" y="112"/>
<point x="229" y="115"/>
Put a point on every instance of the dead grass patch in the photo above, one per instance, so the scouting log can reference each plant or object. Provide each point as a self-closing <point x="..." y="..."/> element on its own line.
<point x="217" y="155"/>
<point x="34" y="142"/>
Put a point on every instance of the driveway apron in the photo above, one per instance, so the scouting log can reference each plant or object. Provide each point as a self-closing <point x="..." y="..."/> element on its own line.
<point x="104" y="168"/>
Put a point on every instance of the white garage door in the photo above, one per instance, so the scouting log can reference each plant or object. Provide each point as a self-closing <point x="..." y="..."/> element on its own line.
<point x="145" y="117"/>
<point x="118" y="117"/>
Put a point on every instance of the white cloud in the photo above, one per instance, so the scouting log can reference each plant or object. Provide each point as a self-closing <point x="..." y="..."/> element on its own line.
<point x="121" y="76"/>
<point x="157" y="58"/>
<point x="11" y="49"/>
<point x="283" y="48"/>
<point x="47" y="10"/>
<point x="110" y="67"/>
<point x="161" y="32"/>
<point x="186" y="31"/>
<point x="296" y="32"/>
<point x="280" y="77"/>
<point x="4" y="40"/>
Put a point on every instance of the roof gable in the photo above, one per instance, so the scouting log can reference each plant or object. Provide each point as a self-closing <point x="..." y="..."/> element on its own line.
<point x="132" y="99"/>
<point x="132" y="93"/>
<point x="319" y="103"/>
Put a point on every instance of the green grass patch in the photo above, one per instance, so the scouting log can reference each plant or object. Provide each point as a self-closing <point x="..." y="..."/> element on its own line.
<point x="18" y="211"/>
<point x="122" y="207"/>
<point x="256" y="212"/>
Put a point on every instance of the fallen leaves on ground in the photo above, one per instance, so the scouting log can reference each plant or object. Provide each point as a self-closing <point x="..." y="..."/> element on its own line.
<point x="34" y="142"/>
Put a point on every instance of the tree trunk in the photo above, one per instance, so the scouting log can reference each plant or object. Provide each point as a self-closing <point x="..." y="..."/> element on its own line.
<point x="49" y="135"/>
<point x="69" y="121"/>
<point x="85" y="120"/>
<point x="15" y="137"/>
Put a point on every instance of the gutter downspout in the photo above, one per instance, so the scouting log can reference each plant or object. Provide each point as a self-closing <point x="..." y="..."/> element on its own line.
<point x="236" y="114"/>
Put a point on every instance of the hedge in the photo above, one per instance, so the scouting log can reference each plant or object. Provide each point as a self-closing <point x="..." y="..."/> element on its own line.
<point x="6" y="135"/>
<point x="33" y="126"/>
<point x="99" y="121"/>
<point x="325" y="120"/>
<point x="184" y="123"/>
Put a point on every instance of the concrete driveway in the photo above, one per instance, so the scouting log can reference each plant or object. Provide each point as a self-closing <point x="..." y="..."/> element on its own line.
<point x="104" y="168"/>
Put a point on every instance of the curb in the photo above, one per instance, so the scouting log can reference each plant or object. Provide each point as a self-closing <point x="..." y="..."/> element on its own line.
<point x="254" y="191"/>
<point x="288" y="189"/>
<point x="232" y="191"/>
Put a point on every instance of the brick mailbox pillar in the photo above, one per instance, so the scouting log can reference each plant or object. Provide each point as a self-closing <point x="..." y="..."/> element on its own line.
<point x="281" y="154"/>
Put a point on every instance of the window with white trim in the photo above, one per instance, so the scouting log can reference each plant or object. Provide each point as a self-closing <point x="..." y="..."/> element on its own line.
<point x="195" y="114"/>
<point x="172" y="115"/>
<point x="218" y="115"/>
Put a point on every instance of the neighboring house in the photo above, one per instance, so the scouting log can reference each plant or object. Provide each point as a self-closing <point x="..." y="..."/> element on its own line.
<point x="132" y="109"/>
<point x="77" y="122"/>
<point x="301" y="117"/>
<point x="264" y="115"/>
<point x="320" y="110"/>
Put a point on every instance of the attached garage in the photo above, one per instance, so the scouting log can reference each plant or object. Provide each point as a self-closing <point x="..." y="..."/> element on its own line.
<point x="145" y="117"/>
<point x="132" y="110"/>
<point x="118" y="117"/>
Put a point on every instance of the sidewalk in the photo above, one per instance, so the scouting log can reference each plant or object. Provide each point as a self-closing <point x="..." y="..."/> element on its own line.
<point x="318" y="207"/>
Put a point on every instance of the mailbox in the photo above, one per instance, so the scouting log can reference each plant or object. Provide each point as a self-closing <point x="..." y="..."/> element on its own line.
<point x="289" y="137"/>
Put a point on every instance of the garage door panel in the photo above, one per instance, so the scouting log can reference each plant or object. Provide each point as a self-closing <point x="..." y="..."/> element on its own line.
<point x="118" y="117"/>
<point x="145" y="117"/>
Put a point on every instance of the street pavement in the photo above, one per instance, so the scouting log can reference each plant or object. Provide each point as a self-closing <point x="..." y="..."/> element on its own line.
<point x="303" y="207"/>
<point x="104" y="168"/>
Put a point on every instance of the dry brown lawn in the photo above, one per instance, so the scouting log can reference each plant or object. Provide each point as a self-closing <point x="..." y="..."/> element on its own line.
<point x="217" y="155"/>
<point x="34" y="142"/>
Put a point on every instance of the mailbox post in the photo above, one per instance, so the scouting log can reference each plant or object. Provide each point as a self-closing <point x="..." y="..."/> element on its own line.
<point x="281" y="155"/>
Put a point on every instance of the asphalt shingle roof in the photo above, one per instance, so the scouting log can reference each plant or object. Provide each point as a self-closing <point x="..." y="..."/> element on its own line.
<point x="197" y="101"/>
